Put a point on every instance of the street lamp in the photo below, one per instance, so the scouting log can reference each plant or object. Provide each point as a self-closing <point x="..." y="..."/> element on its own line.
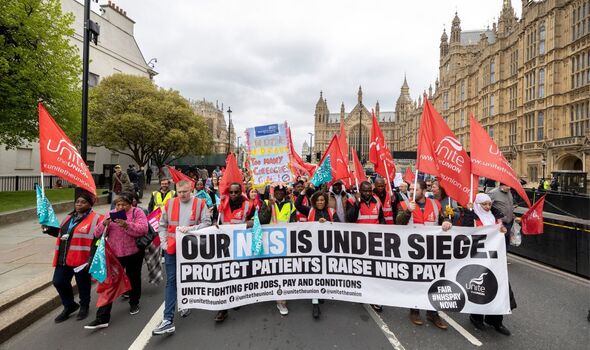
<point x="91" y="32"/>
<point x="310" y="148"/>
<point x="239" y="137"/>
<point x="229" y="131"/>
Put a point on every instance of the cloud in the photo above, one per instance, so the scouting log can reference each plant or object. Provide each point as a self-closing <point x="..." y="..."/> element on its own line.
<point x="269" y="60"/>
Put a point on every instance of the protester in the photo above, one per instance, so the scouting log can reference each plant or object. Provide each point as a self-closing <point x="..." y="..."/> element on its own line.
<point x="482" y="213"/>
<point x="340" y="198"/>
<point x="425" y="211"/>
<point x="73" y="246"/>
<point x="298" y="187"/>
<point x="282" y="210"/>
<point x="365" y="208"/>
<point x="140" y="182"/>
<point x="184" y="212"/>
<point x="254" y="198"/>
<point x="148" y="174"/>
<point x="160" y="197"/>
<point x="152" y="255"/>
<point x="502" y="201"/>
<point x="448" y="204"/>
<point x="235" y="209"/>
<point x="386" y="200"/>
<point x="120" y="183"/>
<point x="554" y="184"/>
<point x="318" y="211"/>
<point x="403" y="194"/>
<point x="122" y="235"/>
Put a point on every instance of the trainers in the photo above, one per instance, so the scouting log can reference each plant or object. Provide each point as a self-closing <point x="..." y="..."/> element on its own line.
<point x="185" y="312"/>
<point x="221" y="316"/>
<point x="67" y="311"/>
<point x="377" y="308"/>
<point x="315" y="312"/>
<point x="134" y="309"/>
<point x="96" y="324"/>
<point x="283" y="309"/>
<point x="83" y="313"/>
<point x="165" y="327"/>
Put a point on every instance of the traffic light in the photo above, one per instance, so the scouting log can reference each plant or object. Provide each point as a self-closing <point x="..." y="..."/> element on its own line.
<point x="318" y="156"/>
<point x="308" y="158"/>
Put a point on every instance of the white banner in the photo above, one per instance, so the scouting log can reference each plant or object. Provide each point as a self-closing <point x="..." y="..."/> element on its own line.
<point x="414" y="266"/>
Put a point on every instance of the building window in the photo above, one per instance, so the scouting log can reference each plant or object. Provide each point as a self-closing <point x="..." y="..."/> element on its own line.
<point x="491" y="131"/>
<point x="512" y="133"/>
<point x="581" y="20"/>
<point x="114" y="158"/>
<point x="579" y="118"/>
<point x="541" y="83"/>
<point x="580" y="75"/>
<point x="484" y="106"/>
<point x="533" y="173"/>
<point x="531" y="44"/>
<point x="542" y="39"/>
<point x="463" y="89"/>
<point x="446" y="100"/>
<point x="462" y="123"/>
<point x="90" y="160"/>
<point x="513" y="94"/>
<point x="540" y="126"/>
<point x="491" y="105"/>
<point x="492" y="71"/>
<point x="23" y="159"/>
<point x="514" y="62"/>
<point x="530" y="85"/>
<point x="529" y="127"/>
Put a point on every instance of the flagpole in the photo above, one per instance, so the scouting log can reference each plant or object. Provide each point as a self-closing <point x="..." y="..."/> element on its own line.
<point x="388" y="181"/>
<point x="471" y="188"/>
<point x="416" y="184"/>
<point x="42" y="185"/>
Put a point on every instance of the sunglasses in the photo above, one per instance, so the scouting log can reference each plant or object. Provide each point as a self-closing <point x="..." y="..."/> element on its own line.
<point x="234" y="192"/>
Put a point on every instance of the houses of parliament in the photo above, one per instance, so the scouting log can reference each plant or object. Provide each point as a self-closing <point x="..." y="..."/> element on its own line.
<point x="527" y="81"/>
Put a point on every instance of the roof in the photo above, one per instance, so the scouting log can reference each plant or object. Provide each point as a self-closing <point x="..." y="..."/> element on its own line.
<point x="471" y="37"/>
<point x="384" y="117"/>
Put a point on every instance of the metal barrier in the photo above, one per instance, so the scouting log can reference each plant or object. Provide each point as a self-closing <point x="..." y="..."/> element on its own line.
<point x="27" y="182"/>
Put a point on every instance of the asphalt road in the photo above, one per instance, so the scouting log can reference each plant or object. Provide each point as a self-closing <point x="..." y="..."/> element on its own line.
<point x="551" y="314"/>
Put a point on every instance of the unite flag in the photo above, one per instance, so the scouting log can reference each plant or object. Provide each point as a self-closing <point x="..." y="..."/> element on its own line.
<point x="488" y="161"/>
<point x="59" y="156"/>
<point x="379" y="154"/>
<point x="442" y="155"/>
<point x="532" y="220"/>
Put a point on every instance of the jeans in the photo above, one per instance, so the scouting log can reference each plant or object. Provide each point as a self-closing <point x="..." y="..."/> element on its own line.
<point x="132" y="265"/>
<point x="170" y="294"/>
<point x="62" y="281"/>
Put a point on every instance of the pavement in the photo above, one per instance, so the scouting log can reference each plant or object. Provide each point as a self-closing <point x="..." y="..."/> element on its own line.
<point x="551" y="314"/>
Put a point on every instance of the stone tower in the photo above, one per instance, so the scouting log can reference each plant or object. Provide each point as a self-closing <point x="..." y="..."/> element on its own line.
<point x="456" y="31"/>
<point x="444" y="44"/>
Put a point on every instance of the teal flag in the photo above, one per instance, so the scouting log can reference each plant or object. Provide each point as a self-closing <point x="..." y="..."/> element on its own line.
<point x="323" y="174"/>
<point x="202" y="194"/>
<point x="98" y="267"/>
<point x="45" y="211"/>
<point x="257" y="248"/>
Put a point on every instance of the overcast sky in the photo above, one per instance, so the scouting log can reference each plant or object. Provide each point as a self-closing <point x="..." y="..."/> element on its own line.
<point x="269" y="60"/>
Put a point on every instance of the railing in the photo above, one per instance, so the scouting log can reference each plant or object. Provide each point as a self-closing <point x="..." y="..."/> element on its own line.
<point x="568" y="141"/>
<point x="27" y="182"/>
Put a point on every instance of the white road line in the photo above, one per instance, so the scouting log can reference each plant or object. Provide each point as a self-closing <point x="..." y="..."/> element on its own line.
<point x="146" y="333"/>
<point x="473" y="340"/>
<point x="384" y="328"/>
<point x="551" y="270"/>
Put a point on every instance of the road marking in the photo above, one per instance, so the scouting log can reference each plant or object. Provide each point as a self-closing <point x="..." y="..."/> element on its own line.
<point x="473" y="340"/>
<point x="384" y="328"/>
<point x="146" y="333"/>
<point x="566" y="275"/>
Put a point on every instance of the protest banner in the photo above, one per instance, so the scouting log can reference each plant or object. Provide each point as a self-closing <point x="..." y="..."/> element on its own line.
<point x="462" y="270"/>
<point x="268" y="152"/>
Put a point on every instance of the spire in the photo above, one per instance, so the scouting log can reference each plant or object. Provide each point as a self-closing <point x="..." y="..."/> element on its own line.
<point x="507" y="18"/>
<point x="430" y="92"/>
<point x="377" y="110"/>
<point x="360" y="95"/>
<point x="444" y="37"/>
<point x="342" y="111"/>
<point x="456" y="30"/>
<point x="405" y="85"/>
<point x="444" y="45"/>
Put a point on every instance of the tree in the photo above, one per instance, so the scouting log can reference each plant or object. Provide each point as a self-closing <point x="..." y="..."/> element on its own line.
<point x="132" y="116"/>
<point x="36" y="62"/>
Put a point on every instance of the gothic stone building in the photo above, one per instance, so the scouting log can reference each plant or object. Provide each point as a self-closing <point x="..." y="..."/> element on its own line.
<point x="527" y="81"/>
<point x="215" y="120"/>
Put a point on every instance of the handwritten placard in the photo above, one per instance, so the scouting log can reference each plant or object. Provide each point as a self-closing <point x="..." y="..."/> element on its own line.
<point x="268" y="151"/>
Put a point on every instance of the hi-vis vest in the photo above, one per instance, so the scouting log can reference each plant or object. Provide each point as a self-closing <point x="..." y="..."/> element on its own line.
<point x="387" y="209"/>
<point x="173" y="215"/>
<point x="312" y="211"/>
<point x="78" y="248"/>
<point x="282" y="215"/>
<point x="159" y="202"/>
<point x="430" y="214"/>
<point x="369" y="214"/>
<point x="405" y="199"/>
<point x="301" y="217"/>
<point x="238" y="216"/>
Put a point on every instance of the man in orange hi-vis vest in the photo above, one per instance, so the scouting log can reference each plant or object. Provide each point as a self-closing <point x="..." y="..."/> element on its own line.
<point x="184" y="213"/>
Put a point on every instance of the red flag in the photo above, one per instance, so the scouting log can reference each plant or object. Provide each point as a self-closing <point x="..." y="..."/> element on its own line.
<point x="342" y="141"/>
<point x="300" y="167"/>
<point x="339" y="166"/>
<point x="154" y="221"/>
<point x="488" y="161"/>
<point x="59" y="156"/>
<point x="232" y="174"/>
<point x="116" y="282"/>
<point x="177" y="176"/>
<point x="379" y="154"/>
<point x="359" y="171"/>
<point x="532" y="220"/>
<point x="442" y="155"/>
<point x="409" y="176"/>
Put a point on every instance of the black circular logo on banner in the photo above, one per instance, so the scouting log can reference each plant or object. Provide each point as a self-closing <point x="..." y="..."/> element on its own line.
<point x="479" y="282"/>
<point x="279" y="291"/>
<point x="446" y="295"/>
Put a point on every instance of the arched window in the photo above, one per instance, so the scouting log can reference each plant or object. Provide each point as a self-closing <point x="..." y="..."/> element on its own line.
<point x="353" y="136"/>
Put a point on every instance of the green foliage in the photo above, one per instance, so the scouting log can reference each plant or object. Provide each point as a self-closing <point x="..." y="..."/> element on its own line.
<point x="36" y="61"/>
<point x="131" y="115"/>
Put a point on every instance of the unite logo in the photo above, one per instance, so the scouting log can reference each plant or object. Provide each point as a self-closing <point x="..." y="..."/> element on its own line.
<point x="475" y="285"/>
<point x="69" y="152"/>
<point x="448" y="149"/>
<point x="494" y="150"/>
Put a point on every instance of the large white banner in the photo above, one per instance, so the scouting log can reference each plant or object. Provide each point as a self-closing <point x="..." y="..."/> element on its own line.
<point x="414" y="266"/>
